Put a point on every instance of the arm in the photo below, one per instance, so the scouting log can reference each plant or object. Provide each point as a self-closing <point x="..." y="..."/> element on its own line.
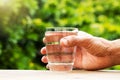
<point x="114" y="51"/>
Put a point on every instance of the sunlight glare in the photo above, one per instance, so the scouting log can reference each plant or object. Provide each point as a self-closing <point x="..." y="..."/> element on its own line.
<point x="3" y="2"/>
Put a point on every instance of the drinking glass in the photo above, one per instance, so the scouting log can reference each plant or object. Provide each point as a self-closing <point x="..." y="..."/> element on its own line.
<point x="60" y="58"/>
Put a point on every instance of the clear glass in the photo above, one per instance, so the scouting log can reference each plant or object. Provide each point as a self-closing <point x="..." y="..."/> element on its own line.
<point x="59" y="58"/>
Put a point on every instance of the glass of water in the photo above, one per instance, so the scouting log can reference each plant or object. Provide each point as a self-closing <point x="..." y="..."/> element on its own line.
<point x="59" y="58"/>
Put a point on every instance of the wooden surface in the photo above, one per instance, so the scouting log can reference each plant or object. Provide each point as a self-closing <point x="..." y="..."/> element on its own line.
<point x="49" y="75"/>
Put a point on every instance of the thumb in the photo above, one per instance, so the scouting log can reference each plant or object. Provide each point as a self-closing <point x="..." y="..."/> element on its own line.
<point x="94" y="45"/>
<point x="76" y="40"/>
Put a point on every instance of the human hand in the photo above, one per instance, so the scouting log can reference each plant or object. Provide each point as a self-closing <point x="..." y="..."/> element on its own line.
<point x="91" y="53"/>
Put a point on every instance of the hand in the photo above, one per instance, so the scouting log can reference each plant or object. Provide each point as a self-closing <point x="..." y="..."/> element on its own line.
<point x="91" y="53"/>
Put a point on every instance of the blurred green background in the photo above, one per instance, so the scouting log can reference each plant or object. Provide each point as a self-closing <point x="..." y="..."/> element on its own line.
<point x="23" y="23"/>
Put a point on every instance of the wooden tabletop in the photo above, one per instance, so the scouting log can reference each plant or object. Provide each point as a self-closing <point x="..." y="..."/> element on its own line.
<point x="49" y="75"/>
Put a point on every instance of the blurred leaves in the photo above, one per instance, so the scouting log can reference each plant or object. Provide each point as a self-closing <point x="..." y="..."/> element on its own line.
<point x="23" y="23"/>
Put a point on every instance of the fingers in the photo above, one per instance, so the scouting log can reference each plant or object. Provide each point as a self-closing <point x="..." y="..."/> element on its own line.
<point x="44" y="59"/>
<point x="43" y="50"/>
<point x="44" y="40"/>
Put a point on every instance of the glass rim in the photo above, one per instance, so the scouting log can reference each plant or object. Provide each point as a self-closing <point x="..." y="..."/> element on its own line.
<point x="61" y="29"/>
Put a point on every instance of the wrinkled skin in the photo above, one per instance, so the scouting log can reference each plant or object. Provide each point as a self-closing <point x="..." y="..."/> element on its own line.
<point x="91" y="53"/>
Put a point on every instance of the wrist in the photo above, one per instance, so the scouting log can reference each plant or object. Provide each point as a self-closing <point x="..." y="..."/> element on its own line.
<point x="114" y="51"/>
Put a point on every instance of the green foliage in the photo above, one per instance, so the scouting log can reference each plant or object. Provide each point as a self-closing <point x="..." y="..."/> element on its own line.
<point x="23" y="23"/>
